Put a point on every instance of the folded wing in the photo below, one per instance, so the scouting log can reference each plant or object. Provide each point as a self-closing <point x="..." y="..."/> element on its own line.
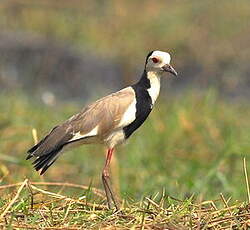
<point x="96" y="120"/>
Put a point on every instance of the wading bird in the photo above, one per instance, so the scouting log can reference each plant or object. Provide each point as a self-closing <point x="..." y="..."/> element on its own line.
<point x="110" y="120"/>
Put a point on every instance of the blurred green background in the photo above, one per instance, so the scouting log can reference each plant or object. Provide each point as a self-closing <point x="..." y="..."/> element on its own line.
<point x="56" y="56"/>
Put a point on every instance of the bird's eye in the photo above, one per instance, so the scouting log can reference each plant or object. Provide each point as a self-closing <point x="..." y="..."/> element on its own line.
<point x="155" y="60"/>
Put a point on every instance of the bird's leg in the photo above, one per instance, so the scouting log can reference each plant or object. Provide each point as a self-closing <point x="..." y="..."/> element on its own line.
<point x="106" y="181"/>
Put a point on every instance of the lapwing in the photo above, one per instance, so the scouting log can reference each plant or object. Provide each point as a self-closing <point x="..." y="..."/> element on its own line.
<point x="110" y="120"/>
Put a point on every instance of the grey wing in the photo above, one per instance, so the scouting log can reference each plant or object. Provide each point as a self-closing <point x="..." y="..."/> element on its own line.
<point x="103" y="115"/>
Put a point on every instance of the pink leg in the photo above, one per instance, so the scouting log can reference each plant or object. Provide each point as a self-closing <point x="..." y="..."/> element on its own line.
<point x="106" y="181"/>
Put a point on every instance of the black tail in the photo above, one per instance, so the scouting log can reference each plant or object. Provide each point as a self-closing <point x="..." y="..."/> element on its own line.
<point x="45" y="161"/>
<point x="47" y="150"/>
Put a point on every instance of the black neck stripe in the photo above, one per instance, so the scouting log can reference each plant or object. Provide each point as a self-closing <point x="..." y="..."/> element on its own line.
<point x="144" y="82"/>
<point x="143" y="104"/>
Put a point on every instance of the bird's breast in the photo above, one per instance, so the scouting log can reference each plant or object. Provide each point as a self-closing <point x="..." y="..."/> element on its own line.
<point x="129" y="115"/>
<point x="143" y="108"/>
<point x="155" y="86"/>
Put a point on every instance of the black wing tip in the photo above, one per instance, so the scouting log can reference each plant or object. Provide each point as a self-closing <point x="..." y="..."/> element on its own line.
<point x="29" y="156"/>
<point x="43" y="170"/>
<point x="34" y="148"/>
<point x="45" y="152"/>
<point x="38" y="162"/>
<point x="43" y="162"/>
<point x="39" y="167"/>
<point x="31" y="151"/>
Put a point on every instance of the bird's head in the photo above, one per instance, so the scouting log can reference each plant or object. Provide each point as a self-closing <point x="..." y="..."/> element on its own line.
<point x="159" y="62"/>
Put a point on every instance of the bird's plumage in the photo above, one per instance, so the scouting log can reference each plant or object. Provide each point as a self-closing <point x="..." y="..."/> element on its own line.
<point x="110" y="120"/>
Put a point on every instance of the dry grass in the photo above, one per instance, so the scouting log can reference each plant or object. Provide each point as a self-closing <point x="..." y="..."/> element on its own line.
<point x="28" y="206"/>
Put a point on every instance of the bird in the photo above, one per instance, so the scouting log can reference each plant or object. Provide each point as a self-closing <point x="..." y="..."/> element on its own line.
<point x="110" y="120"/>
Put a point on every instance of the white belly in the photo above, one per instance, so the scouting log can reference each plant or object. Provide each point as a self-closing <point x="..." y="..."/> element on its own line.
<point x="115" y="138"/>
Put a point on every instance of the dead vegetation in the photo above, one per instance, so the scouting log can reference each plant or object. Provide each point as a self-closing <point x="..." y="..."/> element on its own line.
<point x="30" y="205"/>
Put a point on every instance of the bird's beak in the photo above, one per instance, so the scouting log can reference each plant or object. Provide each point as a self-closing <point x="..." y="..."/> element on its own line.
<point x="170" y="69"/>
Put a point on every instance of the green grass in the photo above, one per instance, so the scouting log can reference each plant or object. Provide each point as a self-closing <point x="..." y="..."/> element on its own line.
<point x="191" y="146"/>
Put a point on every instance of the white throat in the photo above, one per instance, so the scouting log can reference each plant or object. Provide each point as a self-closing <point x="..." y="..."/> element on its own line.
<point x="155" y="85"/>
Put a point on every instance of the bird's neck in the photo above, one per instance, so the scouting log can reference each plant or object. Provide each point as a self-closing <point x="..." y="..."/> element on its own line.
<point x="150" y="81"/>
